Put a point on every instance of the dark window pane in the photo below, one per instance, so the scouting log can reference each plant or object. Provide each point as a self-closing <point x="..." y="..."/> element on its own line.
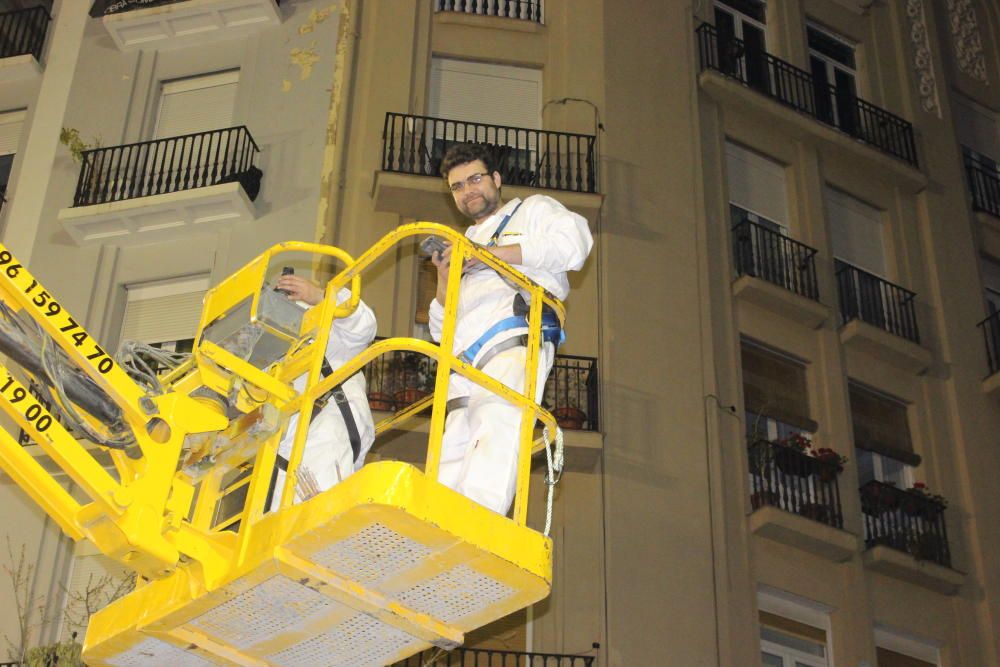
<point x="752" y="8"/>
<point x="833" y="49"/>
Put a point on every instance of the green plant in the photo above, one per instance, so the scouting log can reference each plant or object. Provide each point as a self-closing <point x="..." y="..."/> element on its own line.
<point x="70" y="138"/>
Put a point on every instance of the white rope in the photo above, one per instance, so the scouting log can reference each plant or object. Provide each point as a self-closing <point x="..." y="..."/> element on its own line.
<point x="554" y="462"/>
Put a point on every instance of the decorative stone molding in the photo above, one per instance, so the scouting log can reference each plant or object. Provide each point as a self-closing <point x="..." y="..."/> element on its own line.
<point x="966" y="38"/>
<point x="922" y="61"/>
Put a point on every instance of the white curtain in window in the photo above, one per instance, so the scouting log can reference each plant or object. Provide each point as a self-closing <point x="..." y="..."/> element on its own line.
<point x="756" y="183"/>
<point x="164" y="311"/>
<point x="857" y="231"/>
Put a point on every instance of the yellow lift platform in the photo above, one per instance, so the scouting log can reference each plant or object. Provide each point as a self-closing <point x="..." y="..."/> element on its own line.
<point x="385" y="564"/>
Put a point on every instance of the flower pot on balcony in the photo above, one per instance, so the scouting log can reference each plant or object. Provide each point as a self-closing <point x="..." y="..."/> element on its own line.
<point x="378" y="400"/>
<point x="570" y="418"/>
<point x="791" y="462"/>
<point x="407" y="397"/>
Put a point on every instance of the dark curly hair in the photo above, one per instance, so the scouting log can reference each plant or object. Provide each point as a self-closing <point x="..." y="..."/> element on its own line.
<point x="460" y="154"/>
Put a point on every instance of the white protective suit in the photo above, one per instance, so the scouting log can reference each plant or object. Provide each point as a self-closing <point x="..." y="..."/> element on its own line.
<point x="479" y="450"/>
<point x="328" y="457"/>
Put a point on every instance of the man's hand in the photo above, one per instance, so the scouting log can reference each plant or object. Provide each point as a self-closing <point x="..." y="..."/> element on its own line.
<point x="300" y="289"/>
<point x="442" y="261"/>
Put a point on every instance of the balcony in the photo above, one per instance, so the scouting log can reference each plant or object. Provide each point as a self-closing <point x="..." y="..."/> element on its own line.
<point x="22" y="36"/>
<point x="521" y="10"/>
<point x="991" y="336"/>
<point x="911" y="523"/>
<point x="879" y="318"/>
<point x="167" y="24"/>
<point x="527" y="160"/>
<point x="984" y="185"/>
<point x="476" y="657"/>
<point x="164" y="189"/>
<point x="776" y="273"/>
<point x="398" y="380"/>
<point x="795" y="88"/>
<point x="796" y="500"/>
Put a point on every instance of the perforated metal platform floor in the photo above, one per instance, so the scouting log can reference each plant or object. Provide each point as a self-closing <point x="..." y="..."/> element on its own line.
<point x="378" y="568"/>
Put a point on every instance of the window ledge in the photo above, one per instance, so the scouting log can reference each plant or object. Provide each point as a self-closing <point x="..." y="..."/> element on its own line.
<point x="19" y="68"/>
<point x="776" y="299"/>
<point x="867" y="159"/>
<point x="425" y="198"/>
<point x="901" y="353"/>
<point x="170" y="216"/>
<point x="188" y="23"/>
<point x="905" y="567"/>
<point x="805" y="534"/>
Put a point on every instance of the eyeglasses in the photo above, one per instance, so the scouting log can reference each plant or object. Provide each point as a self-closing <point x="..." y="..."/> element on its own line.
<point x="475" y="179"/>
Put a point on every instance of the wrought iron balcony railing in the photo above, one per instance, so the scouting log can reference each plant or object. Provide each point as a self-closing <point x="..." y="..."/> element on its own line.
<point x="797" y="89"/>
<point x="23" y="31"/>
<point x="866" y="297"/>
<point x="480" y="657"/>
<point x="984" y="184"/>
<point x="791" y="480"/>
<point x="168" y="165"/>
<point x="991" y="334"/>
<point x="905" y="520"/>
<point x="534" y="158"/>
<point x="400" y="378"/>
<point x="105" y="7"/>
<point x="764" y="253"/>
<point x="525" y="10"/>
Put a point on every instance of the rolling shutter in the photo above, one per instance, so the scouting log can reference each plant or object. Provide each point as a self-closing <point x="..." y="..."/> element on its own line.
<point x="881" y="424"/>
<point x="756" y="184"/>
<point x="857" y="232"/>
<point x="197" y="104"/>
<point x="10" y="131"/>
<point x="164" y="311"/>
<point x="775" y="386"/>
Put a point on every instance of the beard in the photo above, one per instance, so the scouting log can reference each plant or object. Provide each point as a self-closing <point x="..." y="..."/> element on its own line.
<point x="481" y="206"/>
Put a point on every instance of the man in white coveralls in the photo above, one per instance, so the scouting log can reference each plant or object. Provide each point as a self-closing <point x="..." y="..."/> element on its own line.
<point x="541" y="238"/>
<point x="341" y="431"/>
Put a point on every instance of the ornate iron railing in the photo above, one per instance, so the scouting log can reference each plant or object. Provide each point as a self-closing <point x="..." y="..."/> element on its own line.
<point x="906" y="521"/>
<point x="866" y="297"/>
<point x="791" y="480"/>
<point x="169" y="165"/>
<point x="481" y="657"/>
<point x="23" y="31"/>
<point x="526" y="10"/>
<point x="534" y="158"/>
<point x="984" y="185"/>
<point x="401" y="378"/>
<point x="991" y="334"/>
<point x="764" y="253"/>
<point x="797" y="89"/>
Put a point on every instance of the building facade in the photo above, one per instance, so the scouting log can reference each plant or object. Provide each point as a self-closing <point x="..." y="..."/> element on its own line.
<point x="781" y="383"/>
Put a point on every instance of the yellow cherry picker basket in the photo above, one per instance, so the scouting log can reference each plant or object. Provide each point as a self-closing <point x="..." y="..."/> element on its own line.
<point x="383" y="565"/>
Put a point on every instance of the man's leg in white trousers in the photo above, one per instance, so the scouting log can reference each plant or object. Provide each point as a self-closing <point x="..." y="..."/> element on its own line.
<point x="489" y="471"/>
<point x="327" y="458"/>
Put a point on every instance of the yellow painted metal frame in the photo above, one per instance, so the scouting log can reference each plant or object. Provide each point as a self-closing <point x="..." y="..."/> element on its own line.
<point x="158" y="521"/>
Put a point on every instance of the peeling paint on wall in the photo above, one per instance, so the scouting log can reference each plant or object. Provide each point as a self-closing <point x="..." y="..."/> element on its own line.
<point x="304" y="59"/>
<point x="316" y="17"/>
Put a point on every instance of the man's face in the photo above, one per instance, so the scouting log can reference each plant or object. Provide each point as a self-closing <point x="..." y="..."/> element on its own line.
<point x="476" y="200"/>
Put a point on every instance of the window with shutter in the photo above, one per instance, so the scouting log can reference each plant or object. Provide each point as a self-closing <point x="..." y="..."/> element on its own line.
<point x="196" y="104"/>
<point x="857" y="232"/>
<point x="165" y="313"/>
<point x="792" y="634"/>
<point x="756" y="186"/>
<point x="991" y="284"/>
<point x="894" y="649"/>
<point x="11" y="123"/>
<point x="881" y="424"/>
<point x="774" y="387"/>
<point x="976" y="127"/>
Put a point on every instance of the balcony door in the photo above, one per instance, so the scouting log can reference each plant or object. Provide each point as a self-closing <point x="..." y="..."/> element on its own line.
<point x="834" y="71"/>
<point x="978" y="131"/>
<point x="741" y="27"/>
<point x="488" y="103"/>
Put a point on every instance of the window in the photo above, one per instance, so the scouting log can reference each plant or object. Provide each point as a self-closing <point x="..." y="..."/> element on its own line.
<point x="10" y="136"/>
<point x="775" y="395"/>
<point x="857" y="232"/>
<point x="834" y="71"/>
<point x="882" y="437"/>
<point x="898" y="649"/>
<point x="793" y="630"/>
<point x="977" y="128"/>
<point x="740" y="25"/>
<point x="164" y="314"/>
<point x="756" y="186"/>
<point x="991" y="284"/>
<point x="196" y="104"/>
